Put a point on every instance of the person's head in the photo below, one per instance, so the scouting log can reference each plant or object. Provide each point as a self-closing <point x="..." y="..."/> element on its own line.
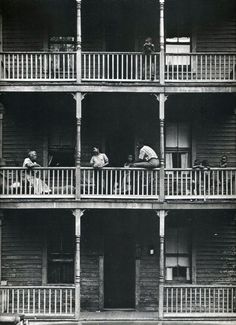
<point x="130" y="158"/>
<point x="205" y="163"/>
<point x="32" y="155"/>
<point x="224" y="159"/>
<point x="197" y="162"/>
<point x="140" y="144"/>
<point x="148" y="40"/>
<point x="95" y="151"/>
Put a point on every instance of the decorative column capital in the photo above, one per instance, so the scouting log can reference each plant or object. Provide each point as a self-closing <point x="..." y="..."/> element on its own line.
<point x="158" y="97"/>
<point x="78" y="212"/>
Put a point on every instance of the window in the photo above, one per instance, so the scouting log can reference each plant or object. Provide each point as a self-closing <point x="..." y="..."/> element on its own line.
<point x="178" y="45"/>
<point x="177" y="251"/>
<point x="177" y="145"/>
<point x="62" y="43"/>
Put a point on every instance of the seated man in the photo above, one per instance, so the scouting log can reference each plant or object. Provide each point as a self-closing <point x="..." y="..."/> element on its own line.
<point x="147" y="157"/>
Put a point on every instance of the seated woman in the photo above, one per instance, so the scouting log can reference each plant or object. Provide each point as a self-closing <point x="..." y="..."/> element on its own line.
<point x="39" y="187"/>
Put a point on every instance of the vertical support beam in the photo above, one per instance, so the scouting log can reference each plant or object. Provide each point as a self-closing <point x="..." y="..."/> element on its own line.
<point x="78" y="42"/>
<point x="1" y="218"/>
<point x="161" y="214"/>
<point x="162" y="43"/>
<point x="77" y="214"/>
<point x="101" y="282"/>
<point x="1" y="132"/>
<point x="78" y="98"/>
<point x="162" y="98"/>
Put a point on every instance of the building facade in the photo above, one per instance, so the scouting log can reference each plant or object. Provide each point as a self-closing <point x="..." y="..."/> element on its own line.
<point x="73" y="75"/>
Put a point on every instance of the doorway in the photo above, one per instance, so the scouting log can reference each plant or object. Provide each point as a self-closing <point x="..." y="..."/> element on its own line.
<point x="119" y="272"/>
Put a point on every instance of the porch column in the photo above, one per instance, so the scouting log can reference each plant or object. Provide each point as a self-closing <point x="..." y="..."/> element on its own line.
<point x="1" y="217"/>
<point x="78" y="42"/>
<point x="161" y="99"/>
<point x="162" y="43"/>
<point x="78" y="98"/>
<point x="78" y="214"/>
<point x="161" y="214"/>
<point x="1" y="132"/>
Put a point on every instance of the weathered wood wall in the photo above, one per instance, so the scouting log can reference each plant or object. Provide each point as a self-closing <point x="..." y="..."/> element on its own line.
<point x="216" y="129"/>
<point x="23" y="26"/>
<point x="22" y="248"/>
<point x="216" y="247"/>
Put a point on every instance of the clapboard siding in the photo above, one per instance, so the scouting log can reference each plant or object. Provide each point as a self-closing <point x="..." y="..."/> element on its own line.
<point x="23" y="130"/>
<point x="148" y="285"/>
<point x="219" y="36"/>
<point x="89" y="282"/>
<point x="215" y="248"/>
<point x="23" y="27"/>
<point x="217" y="136"/>
<point x="21" y="248"/>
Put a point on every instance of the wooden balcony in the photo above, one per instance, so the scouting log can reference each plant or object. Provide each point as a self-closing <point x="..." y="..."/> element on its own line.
<point x="121" y="67"/>
<point x="199" y="301"/>
<point x="37" y="301"/>
<point x="119" y="183"/>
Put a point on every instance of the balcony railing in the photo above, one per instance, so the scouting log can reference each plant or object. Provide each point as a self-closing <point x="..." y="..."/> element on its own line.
<point x="38" y="66"/>
<point x="199" y="300"/>
<point x="38" y="182"/>
<point x="119" y="183"/>
<point x="214" y="183"/>
<point x="117" y="67"/>
<point x="200" y="67"/>
<point x="38" y="301"/>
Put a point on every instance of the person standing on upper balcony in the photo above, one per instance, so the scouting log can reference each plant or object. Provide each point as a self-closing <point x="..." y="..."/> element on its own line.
<point x="148" y="65"/>
<point x="147" y="157"/>
<point x="98" y="160"/>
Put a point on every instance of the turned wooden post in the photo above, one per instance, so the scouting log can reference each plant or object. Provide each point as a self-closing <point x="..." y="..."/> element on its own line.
<point x="78" y="42"/>
<point x="1" y="132"/>
<point x="162" y="43"/>
<point x="161" y="99"/>
<point x="78" y="98"/>
<point x="161" y="214"/>
<point x="78" y="214"/>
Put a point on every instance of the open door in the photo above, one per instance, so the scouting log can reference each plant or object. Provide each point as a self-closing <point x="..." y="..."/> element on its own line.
<point x="119" y="272"/>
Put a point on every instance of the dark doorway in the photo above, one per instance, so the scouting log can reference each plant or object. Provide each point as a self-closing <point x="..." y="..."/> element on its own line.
<point x="119" y="272"/>
<point x="119" y="146"/>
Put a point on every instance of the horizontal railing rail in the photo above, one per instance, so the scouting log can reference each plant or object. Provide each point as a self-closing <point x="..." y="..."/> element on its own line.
<point x="211" y="300"/>
<point x="38" y="300"/>
<point x="200" y="67"/>
<point x="120" y="66"/>
<point x="213" y="183"/>
<point x="37" y="182"/>
<point x="38" y="66"/>
<point x="119" y="182"/>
